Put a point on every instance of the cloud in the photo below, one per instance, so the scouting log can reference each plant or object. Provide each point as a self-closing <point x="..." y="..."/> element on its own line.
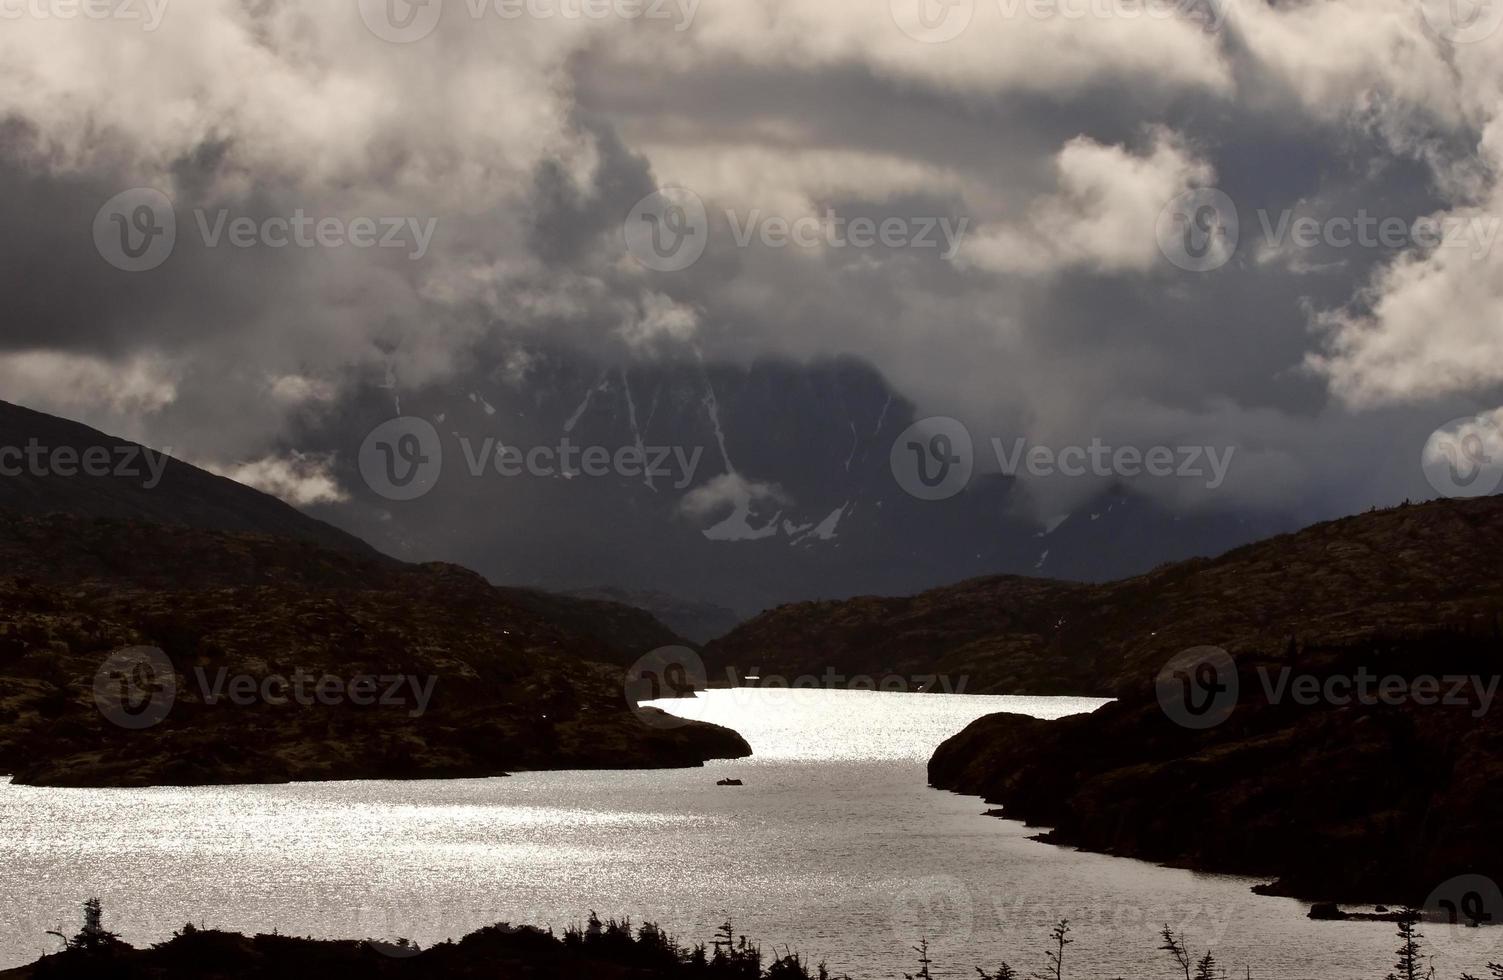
<point x="729" y="490"/>
<point x="660" y="318"/>
<point x="114" y="396"/>
<point x="296" y="389"/>
<point x="1422" y="327"/>
<point x="1428" y="326"/>
<point x="1058" y="137"/>
<point x="1003" y="46"/>
<point x="299" y="479"/>
<point x="1102" y="214"/>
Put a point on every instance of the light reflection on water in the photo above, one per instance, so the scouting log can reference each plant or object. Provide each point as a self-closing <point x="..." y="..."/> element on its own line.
<point x="835" y="846"/>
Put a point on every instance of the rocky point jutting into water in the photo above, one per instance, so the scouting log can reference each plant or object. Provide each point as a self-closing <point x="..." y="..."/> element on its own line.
<point x="436" y="672"/>
<point x="1340" y="801"/>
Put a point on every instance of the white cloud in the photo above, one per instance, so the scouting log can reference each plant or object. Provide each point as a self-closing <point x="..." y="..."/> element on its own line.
<point x="730" y="490"/>
<point x="660" y="318"/>
<point x="114" y="396"/>
<point x="1101" y="216"/>
<point x="1426" y="326"/>
<point x="1430" y="328"/>
<point x="301" y="480"/>
<point x="997" y="52"/>
<point x="297" y="389"/>
<point x="1385" y="69"/>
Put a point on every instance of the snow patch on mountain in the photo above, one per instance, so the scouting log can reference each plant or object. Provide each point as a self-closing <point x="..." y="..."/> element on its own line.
<point x="636" y="433"/>
<point x="825" y="529"/>
<point x="601" y="385"/>
<point x="712" y="408"/>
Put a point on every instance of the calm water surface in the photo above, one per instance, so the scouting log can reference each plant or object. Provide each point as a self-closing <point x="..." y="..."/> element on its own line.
<point x="835" y="846"/>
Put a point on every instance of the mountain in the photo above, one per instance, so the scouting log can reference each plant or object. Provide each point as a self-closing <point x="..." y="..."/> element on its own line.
<point x="44" y="469"/>
<point x="629" y="630"/>
<point x="700" y="622"/>
<point x="143" y="484"/>
<point x="1338" y="582"/>
<point x="163" y="625"/>
<point x="1336" y="799"/>
<point x="996" y="635"/>
<point x="1343" y="789"/>
<point x="436" y="673"/>
<point x="776" y="486"/>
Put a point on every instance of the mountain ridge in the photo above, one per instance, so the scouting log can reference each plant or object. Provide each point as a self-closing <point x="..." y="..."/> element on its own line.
<point x="1339" y="797"/>
<point x="184" y="494"/>
<point x="96" y="566"/>
<point x="793" y="496"/>
<point x="510" y="688"/>
<point x="1012" y="634"/>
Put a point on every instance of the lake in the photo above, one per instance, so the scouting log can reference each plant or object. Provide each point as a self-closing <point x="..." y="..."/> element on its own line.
<point x="834" y="846"/>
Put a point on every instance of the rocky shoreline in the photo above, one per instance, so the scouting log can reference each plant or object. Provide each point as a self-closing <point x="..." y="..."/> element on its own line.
<point x="1326" y="796"/>
<point x="1307" y="799"/>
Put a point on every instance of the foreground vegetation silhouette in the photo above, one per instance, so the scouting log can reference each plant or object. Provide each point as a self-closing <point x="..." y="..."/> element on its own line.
<point x="606" y="949"/>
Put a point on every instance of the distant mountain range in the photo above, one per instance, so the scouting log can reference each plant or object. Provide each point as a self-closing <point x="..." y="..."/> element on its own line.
<point x="699" y="622"/>
<point x="792" y="495"/>
<point x="777" y="487"/>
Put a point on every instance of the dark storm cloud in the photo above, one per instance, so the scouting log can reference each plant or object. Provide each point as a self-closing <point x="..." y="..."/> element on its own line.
<point x="527" y="143"/>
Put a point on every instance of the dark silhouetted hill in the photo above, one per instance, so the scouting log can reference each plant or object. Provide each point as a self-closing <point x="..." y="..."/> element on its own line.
<point x="230" y="583"/>
<point x="184" y="494"/>
<point x="1379" y="802"/>
<point x="1334" y="798"/>
<point x="699" y="622"/>
<point x="1404" y="571"/>
<point x="511" y="688"/>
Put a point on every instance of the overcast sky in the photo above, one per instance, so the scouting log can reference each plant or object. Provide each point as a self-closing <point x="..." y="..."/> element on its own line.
<point x="1050" y="163"/>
